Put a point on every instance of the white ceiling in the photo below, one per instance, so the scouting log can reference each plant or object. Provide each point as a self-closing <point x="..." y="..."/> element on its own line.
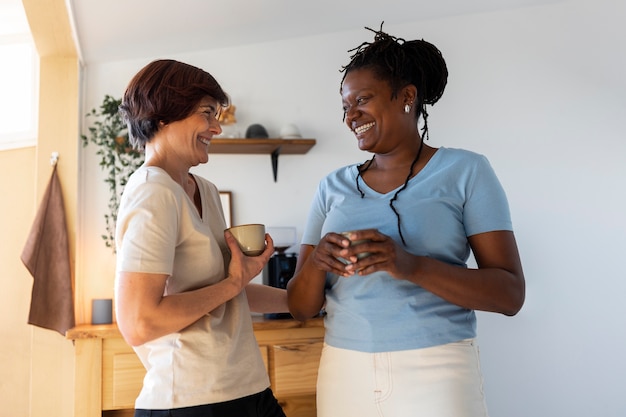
<point x="128" y="29"/>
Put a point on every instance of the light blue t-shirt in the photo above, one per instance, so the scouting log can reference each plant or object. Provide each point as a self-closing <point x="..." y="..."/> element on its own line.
<point x="456" y="195"/>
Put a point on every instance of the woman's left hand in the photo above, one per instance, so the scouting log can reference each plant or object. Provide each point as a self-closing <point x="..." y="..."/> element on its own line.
<point x="242" y="268"/>
<point x="378" y="252"/>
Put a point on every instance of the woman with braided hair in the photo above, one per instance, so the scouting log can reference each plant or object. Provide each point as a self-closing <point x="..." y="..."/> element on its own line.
<point x="399" y="297"/>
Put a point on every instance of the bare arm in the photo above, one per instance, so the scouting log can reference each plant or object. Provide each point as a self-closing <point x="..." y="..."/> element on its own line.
<point x="306" y="288"/>
<point x="144" y="313"/>
<point x="497" y="285"/>
<point x="266" y="299"/>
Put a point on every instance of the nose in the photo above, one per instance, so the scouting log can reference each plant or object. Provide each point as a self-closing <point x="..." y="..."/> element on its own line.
<point x="215" y="127"/>
<point x="350" y="115"/>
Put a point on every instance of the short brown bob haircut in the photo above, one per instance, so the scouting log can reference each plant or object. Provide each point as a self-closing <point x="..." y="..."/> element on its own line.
<point x="165" y="91"/>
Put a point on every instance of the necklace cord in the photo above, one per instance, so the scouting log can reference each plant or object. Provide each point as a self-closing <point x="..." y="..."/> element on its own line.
<point x="406" y="182"/>
<point x="362" y="168"/>
<point x="360" y="171"/>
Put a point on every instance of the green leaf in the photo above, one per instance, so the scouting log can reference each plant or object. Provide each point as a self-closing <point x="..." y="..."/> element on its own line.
<point x="117" y="159"/>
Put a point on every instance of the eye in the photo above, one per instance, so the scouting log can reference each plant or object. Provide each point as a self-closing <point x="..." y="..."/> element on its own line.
<point x="209" y="114"/>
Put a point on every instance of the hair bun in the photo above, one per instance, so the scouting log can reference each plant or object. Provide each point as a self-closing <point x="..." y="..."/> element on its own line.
<point x="433" y="67"/>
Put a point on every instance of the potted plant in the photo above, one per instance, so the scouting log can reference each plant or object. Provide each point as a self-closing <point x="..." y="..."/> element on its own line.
<point x="117" y="157"/>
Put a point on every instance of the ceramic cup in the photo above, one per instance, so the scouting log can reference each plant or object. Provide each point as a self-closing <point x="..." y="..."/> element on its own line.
<point x="251" y="238"/>
<point x="101" y="311"/>
<point x="355" y="242"/>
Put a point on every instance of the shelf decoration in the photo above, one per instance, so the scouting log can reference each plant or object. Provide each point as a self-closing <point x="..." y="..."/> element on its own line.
<point x="228" y="122"/>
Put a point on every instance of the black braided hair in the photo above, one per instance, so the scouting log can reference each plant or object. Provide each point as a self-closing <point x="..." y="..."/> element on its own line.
<point x="402" y="63"/>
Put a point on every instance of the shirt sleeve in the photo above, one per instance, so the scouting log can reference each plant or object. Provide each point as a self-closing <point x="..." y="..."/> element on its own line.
<point x="147" y="229"/>
<point x="315" y="221"/>
<point x="486" y="208"/>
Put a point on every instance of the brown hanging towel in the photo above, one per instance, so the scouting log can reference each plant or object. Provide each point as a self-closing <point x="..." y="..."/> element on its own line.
<point x="46" y="256"/>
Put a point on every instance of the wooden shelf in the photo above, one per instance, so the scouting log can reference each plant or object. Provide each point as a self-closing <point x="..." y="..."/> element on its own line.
<point x="259" y="323"/>
<point x="272" y="147"/>
<point x="261" y="146"/>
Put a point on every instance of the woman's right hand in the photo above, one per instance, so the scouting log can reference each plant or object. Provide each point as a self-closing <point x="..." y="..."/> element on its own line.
<point x="243" y="268"/>
<point x="305" y="291"/>
<point x="328" y="252"/>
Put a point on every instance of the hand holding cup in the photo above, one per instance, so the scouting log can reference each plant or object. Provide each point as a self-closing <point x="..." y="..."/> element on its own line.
<point x="248" y="255"/>
<point x="250" y="237"/>
<point x="359" y="255"/>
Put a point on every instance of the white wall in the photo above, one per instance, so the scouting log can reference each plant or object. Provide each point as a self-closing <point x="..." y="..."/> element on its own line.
<point x="537" y="90"/>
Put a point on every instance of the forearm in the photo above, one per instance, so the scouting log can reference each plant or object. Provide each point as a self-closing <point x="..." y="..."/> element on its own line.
<point x="306" y="292"/>
<point x="178" y="311"/>
<point x="266" y="299"/>
<point x="142" y="318"/>
<point x="486" y="289"/>
<point x="497" y="285"/>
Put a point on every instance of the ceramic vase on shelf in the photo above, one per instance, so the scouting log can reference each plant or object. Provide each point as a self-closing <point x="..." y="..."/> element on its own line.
<point x="228" y="123"/>
<point x="290" y="131"/>
<point x="256" y="131"/>
<point x="230" y="131"/>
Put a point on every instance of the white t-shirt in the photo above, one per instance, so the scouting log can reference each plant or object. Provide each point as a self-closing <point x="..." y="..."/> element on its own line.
<point x="160" y="231"/>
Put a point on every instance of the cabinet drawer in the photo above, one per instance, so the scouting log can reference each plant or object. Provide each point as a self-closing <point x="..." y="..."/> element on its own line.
<point x="122" y="375"/>
<point x="294" y="367"/>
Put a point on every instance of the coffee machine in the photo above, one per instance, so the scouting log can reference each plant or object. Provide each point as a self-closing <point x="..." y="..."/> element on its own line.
<point x="279" y="269"/>
<point x="277" y="273"/>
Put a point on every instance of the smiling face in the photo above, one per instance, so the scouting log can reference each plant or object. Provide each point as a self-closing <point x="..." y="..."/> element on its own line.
<point x="376" y="119"/>
<point x="189" y="138"/>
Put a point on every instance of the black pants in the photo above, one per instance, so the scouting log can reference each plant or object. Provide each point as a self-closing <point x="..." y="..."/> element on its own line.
<point x="263" y="404"/>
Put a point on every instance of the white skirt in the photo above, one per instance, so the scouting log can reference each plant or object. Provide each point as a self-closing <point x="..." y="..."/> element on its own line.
<point x="440" y="381"/>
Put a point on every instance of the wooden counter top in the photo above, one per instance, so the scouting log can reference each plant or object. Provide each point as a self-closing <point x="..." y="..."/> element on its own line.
<point x="105" y="331"/>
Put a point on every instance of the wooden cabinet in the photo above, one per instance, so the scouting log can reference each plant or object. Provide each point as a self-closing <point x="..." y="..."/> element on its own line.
<point x="122" y="375"/>
<point x="294" y="367"/>
<point x="109" y="375"/>
<point x="292" y="350"/>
